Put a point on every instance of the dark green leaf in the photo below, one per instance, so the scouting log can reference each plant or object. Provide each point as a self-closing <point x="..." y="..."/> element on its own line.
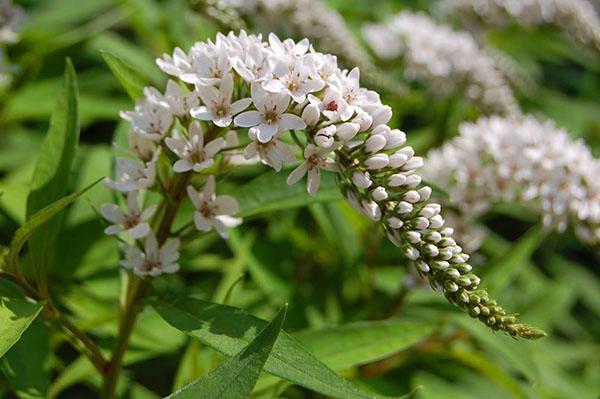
<point x="236" y="377"/>
<point x="229" y="330"/>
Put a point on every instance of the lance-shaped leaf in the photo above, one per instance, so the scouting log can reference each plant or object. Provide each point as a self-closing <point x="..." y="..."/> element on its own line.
<point x="38" y="220"/>
<point x="229" y="330"/>
<point x="127" y="76"/>
<point x="53" y="167"/>
<point x="236" y="378"/>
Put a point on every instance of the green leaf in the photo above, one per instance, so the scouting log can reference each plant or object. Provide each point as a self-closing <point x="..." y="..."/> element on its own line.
<point x="236" y="377"/>
<point x="270" y="192"/>
<point x="53" y="167"/>
<point x="38" y="220"/>
<point x="16" y="315"/>
<point x="503" y="268"/>
<point x="127" y="76"/>
<point x="359" y="343"/>
<point x="229" y="330"/>
<point x="26" y="365"/>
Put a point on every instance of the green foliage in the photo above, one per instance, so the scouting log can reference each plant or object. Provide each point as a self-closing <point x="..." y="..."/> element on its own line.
<point x="53" y="170"/>
<point x="236" y="377"/>
<point x="129" y="78"/>
<point x="16" y="315"/>
<point x="228" y="330"/>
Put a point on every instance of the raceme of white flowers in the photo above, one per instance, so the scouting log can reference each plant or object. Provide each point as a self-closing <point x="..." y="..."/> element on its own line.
<point x="281" y="89"/>
<point x="313" y="19"/>
<point x="449" y="61"/>
<point x="520" y="160"/>
<point x="577" y="18"/>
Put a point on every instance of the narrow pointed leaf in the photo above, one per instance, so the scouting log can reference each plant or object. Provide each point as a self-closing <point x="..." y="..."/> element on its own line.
<point x="229" y="330"/>
<point x="236" y="378"/>
<point x="38" y="220"/>
<point x="53" y="166"/>
<point x="127" y="76"/>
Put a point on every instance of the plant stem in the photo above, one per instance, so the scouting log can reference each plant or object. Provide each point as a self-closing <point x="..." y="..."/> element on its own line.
<point x="137" y="289"/>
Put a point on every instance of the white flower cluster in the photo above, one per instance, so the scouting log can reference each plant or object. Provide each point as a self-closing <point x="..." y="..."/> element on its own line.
<point x="577" y="18"/>
<point x="449" y="61"/>
<point x="313" y="19"/>
<point x="271" y="90"/>
<point x="521" y="160"/>
<point x="11" y="18"/>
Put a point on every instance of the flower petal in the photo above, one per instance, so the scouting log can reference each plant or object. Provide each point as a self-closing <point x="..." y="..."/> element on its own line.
<point x="248" y="119"/>
<point x="297" y="174"/>
<point x="291" y="121"/>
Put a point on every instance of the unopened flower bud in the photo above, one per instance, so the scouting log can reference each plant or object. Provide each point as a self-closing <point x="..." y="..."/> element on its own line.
<point x="413" y="180"/>
<point x="423" y="266"/>
<point x="395" y="138"/>
<point x="381" y="115"/>
<point x="414" y="237"/>
<point x="346" y="131"/>
<point x="375" y="143"/>
<point x="363" y="120"/>
<point x="394" y="222"/>
<point x="450" y="286"/>
<point x="311" y="114"/>
<point x="436" y="222"/>
<point x="397" y="159"/>
<point x="411" y="253"/>
<point x="324" y="136"/>
<point x="396" y="180"/>
<point x="421" y="223"/>
<point x="413" y="163"/>
<point x="431" y="250"/>
<point x="425" y="193"/>
<point x="412" y="197"/>
<point x="452" y="273"/>
<point x="377" y="161"/>
<point x="361" y="180"/>
<point x="379" y="194"/>
<point x="404" y="207"/>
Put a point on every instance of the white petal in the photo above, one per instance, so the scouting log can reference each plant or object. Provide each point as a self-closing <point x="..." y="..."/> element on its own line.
<point x="314" y="181"/>
<point x="297" y="174"/>
<point x="240" y="105"/>
<point x="148" y="212"/>
<point x="291" y="121"/>
<point x="183" y="165"/>
<point x="139" y="231"/>
<point x="209" y="187"/>
<point x="214" y="146"/>
<point x="114" y="229"/>
<point x="266" y="131"/>
<point x="202" y="113"/>
<point x="248" y="119"/>
<point x="194" y="196"/>
<point x="201" y="222"/>
<point x="226" y="205"/>
<point x="112" y="213"/>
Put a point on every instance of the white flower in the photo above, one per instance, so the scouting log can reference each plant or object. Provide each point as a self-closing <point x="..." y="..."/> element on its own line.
<point x="273" y="153"/>
<point x="209" y="64"/>
<point x="141" y="146"/>
<point x="153" y="260"/>
<point x="270" y="117"/>
<point x="332" y="105"/>
<point x="150" y="119"/>
<point x="217" y="103"/>
<point x="133" y="175"/>
<point x="193" y="153"/>
<point x="176" y="65"/>
<point x="315" y="160"/>
<point x="180" y="103"/>
<point x="293" y="78"/>
<point x="213" y="211"/>
<point x="133" y="221"/>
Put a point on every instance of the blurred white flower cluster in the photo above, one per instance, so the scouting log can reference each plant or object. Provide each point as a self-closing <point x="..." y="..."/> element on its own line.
<point x="520" y="160"/>
<point x="269" y="91"/>
<point x="449" y="61"/>
<point x="577" y="18"/>
<point x="11" y="19"/>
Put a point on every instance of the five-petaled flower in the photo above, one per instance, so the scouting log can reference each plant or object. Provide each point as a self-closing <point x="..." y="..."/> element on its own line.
<point x="212" y="210"/>
<point x="217" y="103"/>
<point x="315" y="159"/>
<point x="270" y="117"/>
<point x="133" y="221"/>
<point x="153" y="260"/>
<point x="193" y="153"/>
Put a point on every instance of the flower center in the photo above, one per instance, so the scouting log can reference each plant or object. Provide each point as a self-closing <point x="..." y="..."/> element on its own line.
<point x="332" y="106"/>
<point x="271" y="116"/>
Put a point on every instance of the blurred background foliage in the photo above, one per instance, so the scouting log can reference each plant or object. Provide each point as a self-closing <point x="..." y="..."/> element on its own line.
<point x="328" y="262"/>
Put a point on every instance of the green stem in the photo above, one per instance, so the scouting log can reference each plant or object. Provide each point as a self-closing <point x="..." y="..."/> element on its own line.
<point x="137" y="289"/>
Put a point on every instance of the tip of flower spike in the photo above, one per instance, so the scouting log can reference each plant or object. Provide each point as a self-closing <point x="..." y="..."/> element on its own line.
<point x="525" y="331"/>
